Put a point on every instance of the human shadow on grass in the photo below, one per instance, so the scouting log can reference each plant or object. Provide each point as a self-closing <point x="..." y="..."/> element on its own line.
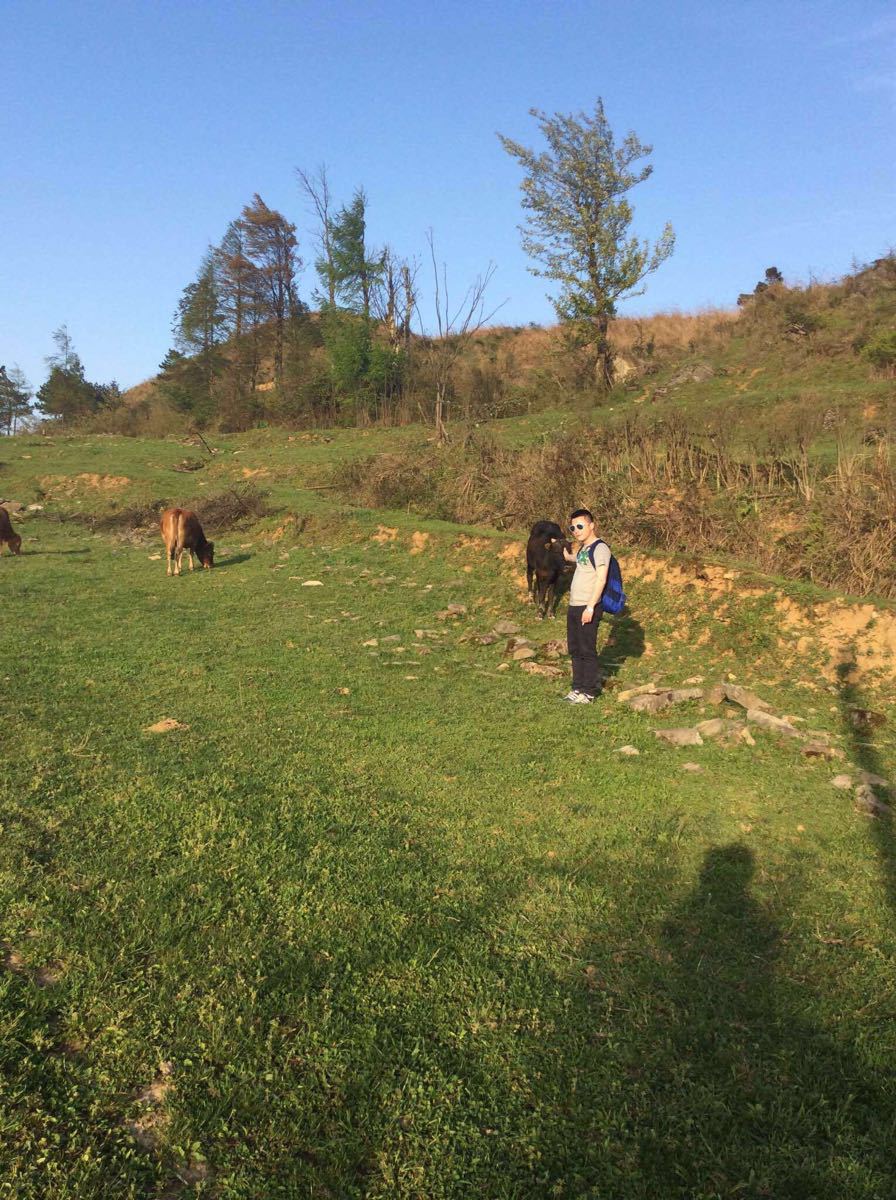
<point x="687" y="1066"/>
<point x="625" y="640"/>
<point x="859" y="723"/>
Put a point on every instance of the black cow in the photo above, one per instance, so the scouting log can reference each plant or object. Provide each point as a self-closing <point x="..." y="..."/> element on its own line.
<point x="547" y="571"/>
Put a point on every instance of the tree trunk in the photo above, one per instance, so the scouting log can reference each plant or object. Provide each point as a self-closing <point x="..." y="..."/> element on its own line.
<point x="604" y="370"/>
<point x="441" y="430"/>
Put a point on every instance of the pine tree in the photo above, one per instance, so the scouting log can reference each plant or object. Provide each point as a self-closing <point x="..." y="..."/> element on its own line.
<point x="15" y="398"/>
<point x="65" y="393"/>
<point x="356" y="269"/>
<point x="199" y="325"/>
<point x="578" y="222"/>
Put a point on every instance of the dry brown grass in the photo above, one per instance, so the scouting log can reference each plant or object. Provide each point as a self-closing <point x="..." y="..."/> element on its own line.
<point x="662" y="488"/>
<point x="672" y="332"/>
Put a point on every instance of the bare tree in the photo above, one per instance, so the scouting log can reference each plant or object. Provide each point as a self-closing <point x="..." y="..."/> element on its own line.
<point x="454" y="328"/>
<point x="394" y="297"/>
<point x="409" y="271"/>
<point x="317" y="188"/>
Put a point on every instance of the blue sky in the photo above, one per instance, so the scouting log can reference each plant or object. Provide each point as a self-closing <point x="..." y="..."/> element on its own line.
<point x="132" y="133"/>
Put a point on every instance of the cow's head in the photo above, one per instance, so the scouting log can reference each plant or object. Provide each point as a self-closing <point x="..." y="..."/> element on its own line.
<point x="207" y="555"/>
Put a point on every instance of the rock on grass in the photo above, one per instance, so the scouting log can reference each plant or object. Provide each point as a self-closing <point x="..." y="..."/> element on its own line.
<point x="679" y="737"/>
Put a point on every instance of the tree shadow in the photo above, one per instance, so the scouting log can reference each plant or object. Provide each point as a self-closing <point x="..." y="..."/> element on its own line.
<point x="859" y="723"/>
<point x="44" y="553"/>
<point x="624" y="641"/>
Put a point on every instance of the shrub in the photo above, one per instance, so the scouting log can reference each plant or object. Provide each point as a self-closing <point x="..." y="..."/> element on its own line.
<point x="881" y="351"/>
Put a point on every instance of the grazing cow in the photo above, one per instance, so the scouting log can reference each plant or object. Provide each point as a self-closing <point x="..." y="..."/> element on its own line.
<point x="8" y="534"/>
<point x="546" y="568"/>
<point x="181" y="531"/>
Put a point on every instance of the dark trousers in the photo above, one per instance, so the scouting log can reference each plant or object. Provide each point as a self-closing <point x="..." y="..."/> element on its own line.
<point x="581" y="641"/>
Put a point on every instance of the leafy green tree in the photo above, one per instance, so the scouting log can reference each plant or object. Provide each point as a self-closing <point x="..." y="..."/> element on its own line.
<point x="355" y="268"/>
<point x="15" y="398"/>
<point x="347" y="342"/>
<point x="66" y="394"/>
<point x="200" y="322"/>
<point x="182" y="384"/>
<point x="577" y="228"/>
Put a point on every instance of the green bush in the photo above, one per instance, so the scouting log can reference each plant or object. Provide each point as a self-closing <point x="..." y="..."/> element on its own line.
<point x="881" y="350"/>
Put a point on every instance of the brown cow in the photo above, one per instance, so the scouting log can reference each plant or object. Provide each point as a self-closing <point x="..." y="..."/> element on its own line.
<point x="8" y="534"/>
<point x="181" y="531"/>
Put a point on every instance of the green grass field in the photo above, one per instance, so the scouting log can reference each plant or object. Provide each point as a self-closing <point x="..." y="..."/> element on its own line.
<point x="389" y="922"/>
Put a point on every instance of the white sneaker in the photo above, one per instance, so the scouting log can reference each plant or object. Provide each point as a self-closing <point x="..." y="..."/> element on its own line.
<point x="571" y="697"/>
<point x="581" y="698"/>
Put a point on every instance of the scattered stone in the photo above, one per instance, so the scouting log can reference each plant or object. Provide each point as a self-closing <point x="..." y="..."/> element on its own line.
<point x="524" y="652"/>
<point x="697" y="372"/>
<point x="503" y="666"/>
<point x="695" y="679"/>
<point x="412" y="676"/>
<point x="736" y="694"/>
<point x="517" y="643"/>
<point x="554" y="649"/>
<point x="679" y="737"/>
<point x="34" y="508"/>
<point x="645" y="689"/>
<point x="868" y="803"/>
<point x="506" y="628"/>
<point x="820" y="750"/>
<point x="168" y="725"/>
<point x="453" y="610"/>
<point x="486" y="639"/>
<point x="344" y="691"/>
<point x="392" y="637"/>
<point x="154" y="557"/>
<point x="682" y="695"/>
<point x="628" y="751"/>
<point x="865" y="718"/>
<point x="427" y="633"/>
<point x="370" y="642"/>
<point x="313" y="583"/>
<point x="650" y="702"/>
<point x="746" y="737"/>
<point x="689" y="766"/>
<point x="875" y="781"/>
<point x="540" y="669"/>
<point x="843" y="782"/>
<point x="765" y="720"/>
<point x="718" y="727"/>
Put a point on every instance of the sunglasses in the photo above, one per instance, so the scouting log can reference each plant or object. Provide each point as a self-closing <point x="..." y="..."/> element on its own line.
<point x="578" y="525"/>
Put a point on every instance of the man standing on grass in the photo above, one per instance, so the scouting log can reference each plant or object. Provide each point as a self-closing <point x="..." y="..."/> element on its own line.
<point x="592" y="559"/>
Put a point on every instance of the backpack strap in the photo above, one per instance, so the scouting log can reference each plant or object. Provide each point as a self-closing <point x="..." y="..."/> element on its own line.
<point x="592" y="548"/>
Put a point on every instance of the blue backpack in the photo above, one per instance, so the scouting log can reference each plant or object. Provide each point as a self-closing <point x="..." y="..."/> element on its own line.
<point x="614" y="599"/>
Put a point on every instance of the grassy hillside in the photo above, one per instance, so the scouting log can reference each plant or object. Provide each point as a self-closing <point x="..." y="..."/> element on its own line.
<point x="384" y="919"/>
